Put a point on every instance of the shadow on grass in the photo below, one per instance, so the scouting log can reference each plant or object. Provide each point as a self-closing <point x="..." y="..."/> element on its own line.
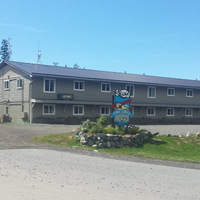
<point x="156" y="141"/>
<point x="152" y="141"/>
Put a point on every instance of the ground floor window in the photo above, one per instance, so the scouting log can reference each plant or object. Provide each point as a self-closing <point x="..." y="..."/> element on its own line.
<point x="104" y="110"/>
<point x="170" y="112"/>
<point x="151" y="112"/>
<point x="78" y="110"/>
<point x="188" y="112"/>
<point x="48" y="109"/>
<point x="7" y="110"/>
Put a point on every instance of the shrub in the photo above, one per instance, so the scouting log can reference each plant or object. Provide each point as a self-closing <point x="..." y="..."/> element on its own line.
<point x="102" y="121"/>
<point x="109" y="130"/>
<point x="87" y="125"/>
<point x="134" y="129"/>
<point x="96" y="129"/>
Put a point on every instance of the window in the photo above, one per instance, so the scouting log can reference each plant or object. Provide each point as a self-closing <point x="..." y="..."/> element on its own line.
<point x="7" y="110"/>
<point x="170" y="111"/>
<point x="49" y="85"/>
<point x="132" y="110"/>
<point x="6" y="85"/>
<point x="78" y="110"/>
<point x="19" y="83"/>
<point x="48" y="109"/>
<point x="188" y="112"/>
<point x="170" y="92"/>
<point x="151" y="112"/>
<point x="79" y="85"/>
<point x="189" y="93"/>
<point x="151" y="92"/>
<point x="130" y="89"/>
<point x="104" y="110"/>
<point x="105" y="87"/>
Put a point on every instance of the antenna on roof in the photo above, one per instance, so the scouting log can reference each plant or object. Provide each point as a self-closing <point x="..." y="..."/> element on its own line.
<point x="38" y="58"/>
<point x="39" y="55"/>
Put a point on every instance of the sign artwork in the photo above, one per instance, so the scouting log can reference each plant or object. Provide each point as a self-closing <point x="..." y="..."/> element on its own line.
<point x="121" y="104"/>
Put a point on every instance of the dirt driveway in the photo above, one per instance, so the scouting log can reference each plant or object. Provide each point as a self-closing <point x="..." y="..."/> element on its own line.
<point x="17" y="135"/>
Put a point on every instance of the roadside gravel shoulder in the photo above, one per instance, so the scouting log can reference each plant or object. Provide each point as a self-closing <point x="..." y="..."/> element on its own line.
<point x="14" y="136"/>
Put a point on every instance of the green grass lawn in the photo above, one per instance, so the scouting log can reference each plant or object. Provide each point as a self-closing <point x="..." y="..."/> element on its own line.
<point x="159" y="147"/>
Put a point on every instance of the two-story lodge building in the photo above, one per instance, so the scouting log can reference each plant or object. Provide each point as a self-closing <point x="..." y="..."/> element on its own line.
<point x="50" y="94"/>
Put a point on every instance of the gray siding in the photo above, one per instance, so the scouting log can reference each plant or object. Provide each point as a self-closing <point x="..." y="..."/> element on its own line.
<point x="16" y="99"/>
<point x="92" y="92"/>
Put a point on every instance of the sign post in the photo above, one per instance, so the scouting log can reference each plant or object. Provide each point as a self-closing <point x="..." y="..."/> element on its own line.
<point x="120" y="106"/>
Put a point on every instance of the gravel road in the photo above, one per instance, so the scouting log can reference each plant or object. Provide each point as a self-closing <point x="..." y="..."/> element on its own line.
<point x="32" y="174"/>
<point x="30" y="171"/>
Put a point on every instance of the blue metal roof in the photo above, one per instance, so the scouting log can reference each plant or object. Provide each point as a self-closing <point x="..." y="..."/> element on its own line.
<point x="86" y="74"/>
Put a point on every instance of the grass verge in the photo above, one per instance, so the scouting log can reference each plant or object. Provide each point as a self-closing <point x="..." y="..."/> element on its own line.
<point x="159" y="147"/>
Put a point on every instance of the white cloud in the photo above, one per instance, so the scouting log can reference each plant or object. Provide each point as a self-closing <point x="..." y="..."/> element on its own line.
<point x="22" y="27"/>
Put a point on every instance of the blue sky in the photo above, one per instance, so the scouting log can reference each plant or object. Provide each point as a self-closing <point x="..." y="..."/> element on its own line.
<point x="155" y="37"/>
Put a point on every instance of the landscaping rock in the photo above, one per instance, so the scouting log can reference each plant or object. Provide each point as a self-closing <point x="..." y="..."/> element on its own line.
<point x="101" y="140"/>
<point x="168" y="135"/>
<point x="175" y="136"/>
<point x="188" y="135"/>
<point x="95" y="145"/>
<point x="108" y="145"/>
<point x="197" y="134"/>
<point x="180" y="135"/>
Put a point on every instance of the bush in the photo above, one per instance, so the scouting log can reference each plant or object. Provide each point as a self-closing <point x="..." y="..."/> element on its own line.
<point x="87" y="125"/>
<point x="102" y="121"/>
<point x="134" y="129"/>
<point x="110" y="130"/>
<point x="96" y="129"/>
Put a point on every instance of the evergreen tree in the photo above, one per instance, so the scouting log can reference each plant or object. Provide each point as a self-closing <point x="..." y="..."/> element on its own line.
<point x="4" y="52"/>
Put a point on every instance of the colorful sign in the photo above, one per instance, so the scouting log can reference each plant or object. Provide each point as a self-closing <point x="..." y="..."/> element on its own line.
<point x="121" y="104"/>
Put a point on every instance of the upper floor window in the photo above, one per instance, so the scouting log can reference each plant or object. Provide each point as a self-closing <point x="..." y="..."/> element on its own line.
<point x="79" y="85"/>
<point x="49" y="85"/>
<point x="48" y="109"/>
<point x="130" y="89"/>
<point x="104" y="110"/>
<point x="188" y="112"/>
<point x="170" y="92"/>
<point x="151" y="112"/>
<point x="132" y="110"/>
<point x="170" y="112"/>
<point x="19" y="83"/>
<point x="105" y="87"/>
<point x="78" y="110"/>
<point x="151" y="92"/>
<point x="6" y="85"/>
<point x="189" y="93"/>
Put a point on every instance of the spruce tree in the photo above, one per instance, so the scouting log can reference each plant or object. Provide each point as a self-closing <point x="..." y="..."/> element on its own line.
<point x="4" y="52"/>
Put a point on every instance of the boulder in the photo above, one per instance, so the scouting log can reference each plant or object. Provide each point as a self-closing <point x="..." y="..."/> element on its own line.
<point x="197" y="134"/>
<point x="180" y="135"/>
<point x="108" y="145"/>
<point x="189" y="134"/>
<point x="95" y="145"/>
